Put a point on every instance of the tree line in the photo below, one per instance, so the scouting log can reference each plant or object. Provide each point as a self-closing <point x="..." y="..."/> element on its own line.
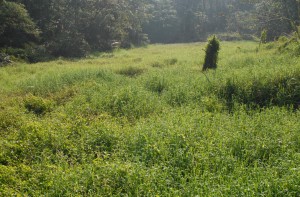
<point x="74" y="28"/>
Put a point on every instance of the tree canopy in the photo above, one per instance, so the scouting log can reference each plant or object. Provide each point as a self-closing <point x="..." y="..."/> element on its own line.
<point x="16" y="26"/>
<point x="73" y="28"/>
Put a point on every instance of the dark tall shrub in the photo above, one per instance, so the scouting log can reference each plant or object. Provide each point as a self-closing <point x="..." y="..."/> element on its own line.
<point x="69" y="44"/>
<point x="211" y="53"/>
<point x="4" y="59"/>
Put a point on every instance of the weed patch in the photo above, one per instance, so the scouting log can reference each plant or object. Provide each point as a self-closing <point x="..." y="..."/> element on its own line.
<point x="131" y="103"/>
<point x="92" y="127"/>
<point x="282" y="90"/>
<point x="38" y="105"/>
<point x="157" y="84"/>
<point x="157" y="65"/>
<point x="171" y="61"/>
<point x="131" y="71"/>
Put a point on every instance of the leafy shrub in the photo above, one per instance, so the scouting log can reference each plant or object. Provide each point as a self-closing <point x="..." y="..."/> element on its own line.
<point x="131" y="71"/>
<point x="4" y="59"/>
<point x="211" y="53"/>
<point x="37" y="105"/>
<point x="288" y="45"/>
<point x="69" y="45"/>
<point x="31" y="53"/>
<point x="8" y="120"/>
<point x="37" y="53"/>
<point x="211" y="104"/>
<point x="278" y="91"/>
<point x="17" y="53"/>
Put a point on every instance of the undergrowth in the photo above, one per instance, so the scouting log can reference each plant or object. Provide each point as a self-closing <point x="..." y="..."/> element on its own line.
<point x="147" y="122"/>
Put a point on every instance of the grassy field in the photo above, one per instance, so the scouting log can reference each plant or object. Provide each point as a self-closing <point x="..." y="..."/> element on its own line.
<point x="148" y="122"/>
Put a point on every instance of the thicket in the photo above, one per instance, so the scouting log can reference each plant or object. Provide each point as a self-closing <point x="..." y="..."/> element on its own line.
<point x="4" y="59"/>
<point x="211" y="53"/>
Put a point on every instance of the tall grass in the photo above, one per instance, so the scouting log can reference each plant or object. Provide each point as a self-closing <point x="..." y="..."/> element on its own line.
<point x="148" y="122"/>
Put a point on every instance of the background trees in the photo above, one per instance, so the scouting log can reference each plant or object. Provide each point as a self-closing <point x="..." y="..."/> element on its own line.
<point x="73" y="28"/>
<point x="17" y="28"/>
<point x="278" y="17"/>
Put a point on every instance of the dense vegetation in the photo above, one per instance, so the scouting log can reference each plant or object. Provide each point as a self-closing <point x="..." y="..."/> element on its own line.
<point x="155" y="120"/>
<point x="148" y="122"/>
<point x="37" y="30"/>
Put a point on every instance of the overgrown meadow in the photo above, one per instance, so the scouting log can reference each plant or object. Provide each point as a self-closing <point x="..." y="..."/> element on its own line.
<point x="149" y="122"/>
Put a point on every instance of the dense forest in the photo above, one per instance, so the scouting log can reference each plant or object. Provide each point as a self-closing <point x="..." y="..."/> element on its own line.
<point x="38" y="29"/>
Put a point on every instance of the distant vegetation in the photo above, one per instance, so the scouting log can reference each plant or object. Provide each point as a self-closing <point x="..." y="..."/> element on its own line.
<point x="146" y="122"/>
<point x="39" y="30"/>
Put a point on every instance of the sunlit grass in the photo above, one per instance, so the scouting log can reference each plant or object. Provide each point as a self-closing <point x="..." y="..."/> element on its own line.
<point x="148" y="122"/>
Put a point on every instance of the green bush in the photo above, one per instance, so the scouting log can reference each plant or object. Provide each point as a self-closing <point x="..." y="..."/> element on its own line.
<point x="211" y="53"/>
<point x="30" y="53"/>
<point x="16" y="53"/>
<point x="4" y="59"/>
<point x="71" y="45"/>
<point x="9" y="120"/>
<point x="37" y="105"/>
<point x="277" y="91"/>
<point x="36" y="53"/>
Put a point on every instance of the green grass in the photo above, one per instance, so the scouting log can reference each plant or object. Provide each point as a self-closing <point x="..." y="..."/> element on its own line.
<point x="148" y="122"/>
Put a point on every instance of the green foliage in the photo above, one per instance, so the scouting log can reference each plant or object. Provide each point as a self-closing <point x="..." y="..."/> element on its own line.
<point x="78" y="128"/>
<point x="131" y="71"/>
<point x="277" y="16"/>
<point x="280" y="91"/>
<point x="157" y="84"/>
<point x="9" y="120"/>
<point x="263" y="36"/>
<point x="230" y="36"/>
<point x="76" y="28"/>
<point x="157" y="65"/>
<point x="171" y="61"/>
<point x="211" y="53"/>
<point x="130" y="103"/>
<point x="177" y="96"/>
<point x="36" y="53"/>
<point x="30" y="53"/>
<point x="69" y="45"/>
<point x="46" y="84"/>
<point x="4" y="59"/>
<point x="37" y="105"/>
<point x="16" y="26"/>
